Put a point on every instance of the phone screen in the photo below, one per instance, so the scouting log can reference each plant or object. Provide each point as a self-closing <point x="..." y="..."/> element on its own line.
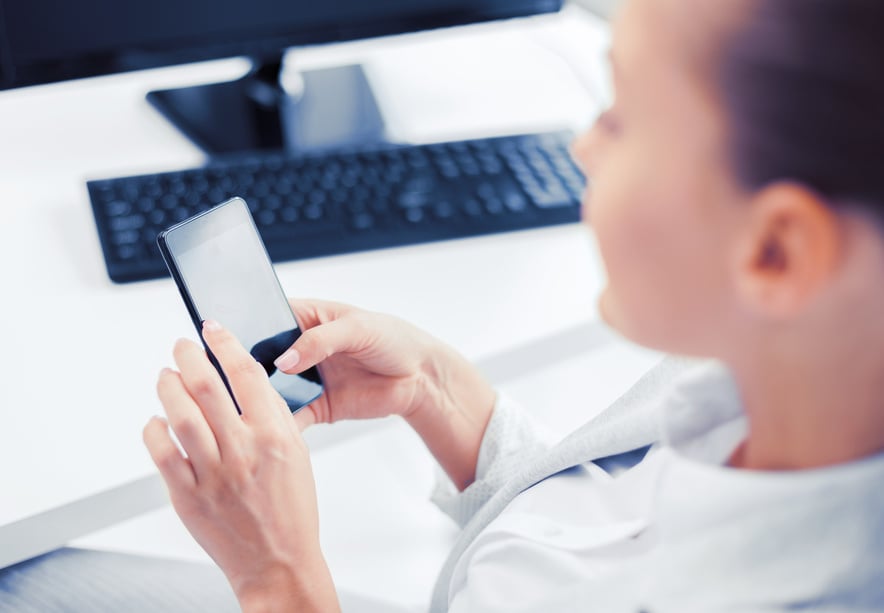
<point x="223" y="271"/>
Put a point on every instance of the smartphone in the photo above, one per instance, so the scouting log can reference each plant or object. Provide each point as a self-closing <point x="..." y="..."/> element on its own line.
<point x="222" y="269"/>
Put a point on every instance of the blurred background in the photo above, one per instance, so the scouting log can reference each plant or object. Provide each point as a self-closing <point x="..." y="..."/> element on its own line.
<point x="603" y="8"/>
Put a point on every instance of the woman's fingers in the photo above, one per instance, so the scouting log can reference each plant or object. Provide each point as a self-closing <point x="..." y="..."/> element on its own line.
<point x="174" y="467"/>
<point x="205" y="386"/>
<point x="345" y="335"/>
<point x="258" y="401"/>
<point x="305" y="418"/>
<point x="310" y="313"/>
<point x="188" y="422"/>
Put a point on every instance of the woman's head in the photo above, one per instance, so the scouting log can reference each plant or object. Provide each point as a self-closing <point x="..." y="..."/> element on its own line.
<point x="802" y="82"/>
<point x="726" y="177"/>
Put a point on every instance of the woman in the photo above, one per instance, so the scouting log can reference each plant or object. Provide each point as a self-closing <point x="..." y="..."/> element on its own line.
<point x="737" y="198"/>
<point x="737" y="195"/>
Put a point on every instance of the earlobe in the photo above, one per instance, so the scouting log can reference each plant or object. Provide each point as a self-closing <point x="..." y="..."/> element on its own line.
<point x="790" y="249"/>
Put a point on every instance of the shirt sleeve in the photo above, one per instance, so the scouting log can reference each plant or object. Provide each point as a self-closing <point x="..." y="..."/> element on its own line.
<point x="510" y="441"/>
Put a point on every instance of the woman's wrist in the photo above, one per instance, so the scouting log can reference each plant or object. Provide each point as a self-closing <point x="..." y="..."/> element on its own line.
<point x="288" y="589"/>
<point x="452" y="407"/>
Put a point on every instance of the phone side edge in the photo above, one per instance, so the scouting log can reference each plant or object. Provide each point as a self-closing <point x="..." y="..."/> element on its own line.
<point x="169" y="259"/>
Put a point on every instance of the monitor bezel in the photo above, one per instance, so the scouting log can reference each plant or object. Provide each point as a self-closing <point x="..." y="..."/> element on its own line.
<point x="122" y="60"/>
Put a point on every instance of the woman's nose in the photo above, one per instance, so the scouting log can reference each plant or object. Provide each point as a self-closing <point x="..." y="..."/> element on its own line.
<point x="584" y="150"/>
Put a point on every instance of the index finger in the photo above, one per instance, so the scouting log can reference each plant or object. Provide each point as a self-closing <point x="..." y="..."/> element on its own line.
<point x="310" y="313"/>
<point x="257" y="400"/>
<point x="205" y="386"/>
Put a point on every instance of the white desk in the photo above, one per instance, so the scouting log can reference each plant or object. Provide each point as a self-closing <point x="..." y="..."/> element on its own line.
<point x="80" y="355"/>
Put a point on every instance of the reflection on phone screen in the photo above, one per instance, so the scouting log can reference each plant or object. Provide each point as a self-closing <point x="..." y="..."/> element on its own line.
<point x="296" y="390"/>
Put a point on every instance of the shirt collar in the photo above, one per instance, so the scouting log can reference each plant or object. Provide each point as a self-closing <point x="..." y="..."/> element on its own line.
<point x="703" y="419"/>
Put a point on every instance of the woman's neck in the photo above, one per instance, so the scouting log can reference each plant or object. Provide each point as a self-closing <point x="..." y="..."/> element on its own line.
<point x="817" y="404"/>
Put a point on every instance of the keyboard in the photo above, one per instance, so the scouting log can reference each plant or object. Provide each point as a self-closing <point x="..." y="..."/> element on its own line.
<point x="345" y="201"/>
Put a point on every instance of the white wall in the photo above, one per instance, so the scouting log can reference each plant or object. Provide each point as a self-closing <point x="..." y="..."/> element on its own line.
<point x="600" y="7"/>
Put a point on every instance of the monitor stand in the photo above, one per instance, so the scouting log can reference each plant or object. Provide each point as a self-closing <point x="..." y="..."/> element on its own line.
<point x="335" y="108"/>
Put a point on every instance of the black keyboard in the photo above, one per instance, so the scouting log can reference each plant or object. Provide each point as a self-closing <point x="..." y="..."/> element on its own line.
<point x="314" y="205"/>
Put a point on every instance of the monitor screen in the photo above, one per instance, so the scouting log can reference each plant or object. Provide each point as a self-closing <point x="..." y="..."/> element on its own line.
<point x="42" y="41"/>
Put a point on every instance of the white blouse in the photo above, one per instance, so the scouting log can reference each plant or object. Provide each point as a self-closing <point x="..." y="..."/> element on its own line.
<point x="677" y="532"/>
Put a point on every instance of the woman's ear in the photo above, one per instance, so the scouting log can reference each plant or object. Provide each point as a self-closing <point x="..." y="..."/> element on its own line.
<point x="790" y="249"/>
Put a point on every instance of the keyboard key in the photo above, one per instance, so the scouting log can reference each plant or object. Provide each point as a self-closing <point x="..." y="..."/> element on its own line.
<point x="122" y="224"/>
<point x="443" y="210"/>
<point x="289" y="214"/>
<point x="494" y="205"/>
<point x="313" y="212"/>
<point x="472" y="207"/>
<point x="157" y="217"/>
<point x="552" y="201"/>
<point x="486" y="191"/>
<point x="362" y="221"/>
<point x="126" y="237"/>
<point x="515" y="201"/>
<point x="127" y="252"/>
<point x="414" y="215"/>
<point x="410" y="200"/>
<point x="116" y="208"/>
<point x="266" y="217"/>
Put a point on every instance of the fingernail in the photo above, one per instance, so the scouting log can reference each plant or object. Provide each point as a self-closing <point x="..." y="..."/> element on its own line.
<point x="211" y="325"/>
<point x="165" y="371"/>
<point x="287" y="360"/>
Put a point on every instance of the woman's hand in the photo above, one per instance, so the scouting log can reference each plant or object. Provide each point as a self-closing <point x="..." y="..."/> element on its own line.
<point x="376" y="365"/>
<point x="372" y="365"/>
<point x="245" y="490"/>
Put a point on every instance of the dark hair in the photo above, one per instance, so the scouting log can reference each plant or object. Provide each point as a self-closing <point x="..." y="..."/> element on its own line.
<point x="803" y="84"/>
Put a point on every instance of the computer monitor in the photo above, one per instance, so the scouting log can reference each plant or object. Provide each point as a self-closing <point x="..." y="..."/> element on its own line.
<point x="43" y="41"/>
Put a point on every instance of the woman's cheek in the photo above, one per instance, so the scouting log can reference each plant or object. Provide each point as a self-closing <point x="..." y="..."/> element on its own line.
<point x="607" y="209"/>
<point x="632" y="232"/>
